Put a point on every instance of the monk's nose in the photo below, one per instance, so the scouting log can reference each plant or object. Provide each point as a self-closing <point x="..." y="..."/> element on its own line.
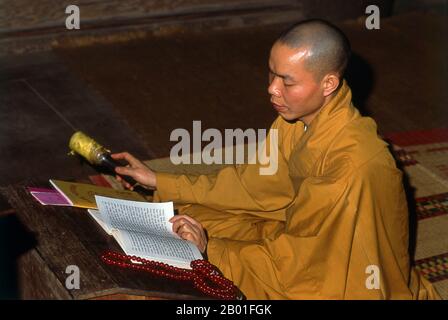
<point x="274" y="89"/>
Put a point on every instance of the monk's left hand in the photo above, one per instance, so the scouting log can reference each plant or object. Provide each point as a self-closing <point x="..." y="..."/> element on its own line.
<point x="189" y="229"/>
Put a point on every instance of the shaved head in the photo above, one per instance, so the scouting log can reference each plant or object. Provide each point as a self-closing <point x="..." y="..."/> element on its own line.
<point x="327" y="46"/>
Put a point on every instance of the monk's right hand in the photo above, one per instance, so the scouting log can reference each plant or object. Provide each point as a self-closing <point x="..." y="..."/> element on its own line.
<point x="135" y="169"/>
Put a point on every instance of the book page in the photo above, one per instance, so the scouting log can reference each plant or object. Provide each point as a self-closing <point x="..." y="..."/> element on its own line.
<point x="176" y="252"/>
<point x="96" y="215"/>
<point x="145" y="217"/>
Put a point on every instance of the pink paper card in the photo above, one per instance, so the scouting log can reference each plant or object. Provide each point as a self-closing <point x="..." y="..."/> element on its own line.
<point x="51" y="197"/>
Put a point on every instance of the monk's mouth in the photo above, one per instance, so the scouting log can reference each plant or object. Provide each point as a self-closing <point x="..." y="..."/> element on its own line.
<point x="278" y="108"/>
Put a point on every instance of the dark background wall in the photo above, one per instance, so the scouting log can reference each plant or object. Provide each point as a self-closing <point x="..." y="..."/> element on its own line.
<point x="402" y="6"/>
<point x="32" y="25"/>
<point x="33" y="14"/>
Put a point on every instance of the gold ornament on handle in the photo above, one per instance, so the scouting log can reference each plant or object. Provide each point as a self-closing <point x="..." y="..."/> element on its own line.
<point x="88" y="148"/>
<point x="97" y="155"/>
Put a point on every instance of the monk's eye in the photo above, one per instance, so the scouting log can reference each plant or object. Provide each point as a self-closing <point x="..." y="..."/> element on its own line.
<point x="288" y="84"/>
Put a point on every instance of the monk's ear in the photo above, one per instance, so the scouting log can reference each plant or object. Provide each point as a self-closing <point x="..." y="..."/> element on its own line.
<point x="330" y="83"/>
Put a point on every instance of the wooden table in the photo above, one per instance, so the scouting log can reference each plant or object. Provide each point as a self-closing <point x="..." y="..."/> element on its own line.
<point x="58" y="237"/>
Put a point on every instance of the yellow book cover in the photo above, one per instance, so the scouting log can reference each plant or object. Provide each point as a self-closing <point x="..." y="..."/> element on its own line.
<point x="83" y="195"/>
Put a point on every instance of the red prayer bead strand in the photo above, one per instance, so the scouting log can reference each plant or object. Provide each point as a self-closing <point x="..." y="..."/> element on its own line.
<point x="205" y="277"/>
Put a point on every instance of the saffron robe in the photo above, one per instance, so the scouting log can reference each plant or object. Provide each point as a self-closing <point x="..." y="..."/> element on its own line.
<point x="332" y="223"/>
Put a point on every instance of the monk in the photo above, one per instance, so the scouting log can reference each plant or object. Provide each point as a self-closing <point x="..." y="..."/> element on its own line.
<point x="332" y="222"/>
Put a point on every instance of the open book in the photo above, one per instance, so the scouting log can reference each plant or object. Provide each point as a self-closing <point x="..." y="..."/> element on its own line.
<point x="142" y="229"/>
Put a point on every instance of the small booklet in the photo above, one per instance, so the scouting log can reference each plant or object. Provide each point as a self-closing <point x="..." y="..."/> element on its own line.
<point x="142" y="229"/>
<point x="83" y="195"/>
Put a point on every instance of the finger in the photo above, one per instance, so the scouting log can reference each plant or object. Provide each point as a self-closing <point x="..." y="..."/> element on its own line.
<point x="176" y="226"/>
<point x="181" y="220"/>
<point x="184" y="217"/>
<point x="177" y="222"/>
<point x="189" y="219"/>
<point x="190" y="237"/>
<point x="190" y="232"/>
<point x="123" y="182"/>
<point x="189" y="229"/>
<point x="199" y="241"/>
<point x="175" y="218"/>
<point x="183" y="226"/>
<point x="133" y="161"/>
<point x="119" y="155"/>
<point x="125" y="171"/>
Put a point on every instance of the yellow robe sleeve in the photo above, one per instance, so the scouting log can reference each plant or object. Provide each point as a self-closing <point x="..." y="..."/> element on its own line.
<point x="336" y="229"/>
<point x="236" y="188"/>
<point x="291" y="266"/>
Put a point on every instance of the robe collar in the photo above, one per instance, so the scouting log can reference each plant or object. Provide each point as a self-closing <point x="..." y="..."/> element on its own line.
<point x="330" y="120"/>
<point x="336" y="113"/>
